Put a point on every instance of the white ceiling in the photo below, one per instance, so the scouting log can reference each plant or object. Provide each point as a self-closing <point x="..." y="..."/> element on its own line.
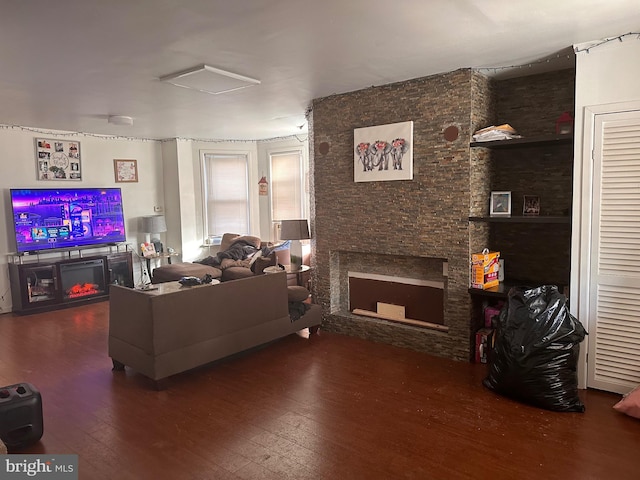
<point x="68" y="64"/>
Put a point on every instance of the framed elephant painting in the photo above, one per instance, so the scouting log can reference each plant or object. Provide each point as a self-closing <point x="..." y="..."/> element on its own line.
<point x="383" y="152"/>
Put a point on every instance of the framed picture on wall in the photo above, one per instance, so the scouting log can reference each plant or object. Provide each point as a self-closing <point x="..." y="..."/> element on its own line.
<point x="126" y="171"/>
<point x="500" y="204"/>
<point x="58" y="159"/>
<point x="383" y="152"/>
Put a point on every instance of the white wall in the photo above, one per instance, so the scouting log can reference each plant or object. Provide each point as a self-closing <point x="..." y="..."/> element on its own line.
<point x="97" y="154"/>
<point x="607" y="75"/>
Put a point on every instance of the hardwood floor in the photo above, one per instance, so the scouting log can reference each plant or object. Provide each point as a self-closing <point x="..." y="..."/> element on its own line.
<point x="330" y="407"/>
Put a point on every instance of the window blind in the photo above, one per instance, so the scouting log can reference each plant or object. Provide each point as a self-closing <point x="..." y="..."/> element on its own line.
<point x="286" y="186"/>
<point x="227" y="193"/>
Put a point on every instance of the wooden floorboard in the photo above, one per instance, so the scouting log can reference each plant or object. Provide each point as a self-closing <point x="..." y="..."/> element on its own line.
<point x="328" y="407"/>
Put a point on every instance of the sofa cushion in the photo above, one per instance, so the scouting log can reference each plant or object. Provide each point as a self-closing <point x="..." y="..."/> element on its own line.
<point x="229" y="238"/>
<point x="175" y="271"/>
<point x="236" y="273"/>
<point x="228" y="263"/>
<point x="226" y="241"/>
<point x="259" y="263"/>
<point x="297" y="293"/>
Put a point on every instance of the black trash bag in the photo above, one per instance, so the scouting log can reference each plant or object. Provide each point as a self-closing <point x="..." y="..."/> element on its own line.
<point x="536" y="350"/>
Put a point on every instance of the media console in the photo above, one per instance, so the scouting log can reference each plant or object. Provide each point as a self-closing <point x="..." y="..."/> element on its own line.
<point x="45" y="284"/>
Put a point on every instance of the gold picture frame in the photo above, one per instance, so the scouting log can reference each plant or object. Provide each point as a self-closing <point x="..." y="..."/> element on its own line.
<point x="126" y="171"/>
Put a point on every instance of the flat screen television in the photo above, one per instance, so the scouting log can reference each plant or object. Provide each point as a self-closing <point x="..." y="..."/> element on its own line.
<point x="66" y="218"/>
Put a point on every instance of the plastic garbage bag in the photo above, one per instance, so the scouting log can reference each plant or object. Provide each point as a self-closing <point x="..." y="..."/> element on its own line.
<point x="536" y="350"/>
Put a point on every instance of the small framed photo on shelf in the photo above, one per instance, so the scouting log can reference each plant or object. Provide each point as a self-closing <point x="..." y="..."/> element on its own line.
<point x="148" y="249"/>
<point x="126" y="171"/>
<point x="531" y="206"/>
<point x="500" y="204"/>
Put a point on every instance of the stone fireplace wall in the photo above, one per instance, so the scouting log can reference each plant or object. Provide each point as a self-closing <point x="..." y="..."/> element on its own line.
<point x="412" y="227"/>
<point x="420" y="223"/>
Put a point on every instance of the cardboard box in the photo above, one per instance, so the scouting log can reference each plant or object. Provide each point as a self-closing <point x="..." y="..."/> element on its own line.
<point x="485" y="268"/>
<point x="485" y="339"/>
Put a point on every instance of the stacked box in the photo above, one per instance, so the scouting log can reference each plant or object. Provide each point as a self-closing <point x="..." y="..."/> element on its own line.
<point x="485" y="268"/>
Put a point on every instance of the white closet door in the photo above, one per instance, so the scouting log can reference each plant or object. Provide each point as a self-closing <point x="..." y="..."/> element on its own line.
<point x="614" y="305"/>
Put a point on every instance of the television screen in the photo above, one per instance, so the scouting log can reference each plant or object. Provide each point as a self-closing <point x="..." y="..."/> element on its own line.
<point x="65" y="218"/>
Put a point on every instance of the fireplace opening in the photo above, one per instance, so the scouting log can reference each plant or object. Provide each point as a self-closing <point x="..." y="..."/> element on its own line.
<point x="83" y="279"/>
<point x="399" y="299"/>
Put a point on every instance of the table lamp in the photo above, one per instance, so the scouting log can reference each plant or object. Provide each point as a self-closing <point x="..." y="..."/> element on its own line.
<point x="154" y="224"/>
<point x="295" y="230"/>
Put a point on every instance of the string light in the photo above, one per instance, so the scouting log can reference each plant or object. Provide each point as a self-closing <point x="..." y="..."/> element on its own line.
<point x="558" y="56"/>
<point x="607" y="40"/>
<point x="51" y="133"/>
<point x="526" y="65"/>
<point x="222" y="140"/>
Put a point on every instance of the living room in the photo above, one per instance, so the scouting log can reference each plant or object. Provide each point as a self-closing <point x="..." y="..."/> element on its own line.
<point x="169" y="180"/>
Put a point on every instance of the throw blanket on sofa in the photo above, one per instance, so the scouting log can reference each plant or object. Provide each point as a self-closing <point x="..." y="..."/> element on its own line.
<point x="297" y="310"/>
<point x="238" y="250"/>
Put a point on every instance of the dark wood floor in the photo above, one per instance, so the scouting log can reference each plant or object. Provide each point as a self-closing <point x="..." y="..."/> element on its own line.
<point x="330" y="407"/>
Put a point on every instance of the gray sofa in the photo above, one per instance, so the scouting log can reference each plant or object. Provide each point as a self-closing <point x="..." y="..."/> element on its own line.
<point x="170" y="330"/>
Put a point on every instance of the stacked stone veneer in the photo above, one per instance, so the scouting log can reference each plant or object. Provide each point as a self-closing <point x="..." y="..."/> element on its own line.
<point x="411" y="226"/>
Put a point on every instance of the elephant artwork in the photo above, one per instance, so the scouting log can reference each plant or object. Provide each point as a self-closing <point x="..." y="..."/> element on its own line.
<point x="362" y="151"/>
<point x="398" y="149"/>
<point x="379" y="152"/>
<point x="383" y="152"/>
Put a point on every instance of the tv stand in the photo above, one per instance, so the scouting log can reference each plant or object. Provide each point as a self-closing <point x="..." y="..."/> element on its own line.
<point x="48" y="284"/>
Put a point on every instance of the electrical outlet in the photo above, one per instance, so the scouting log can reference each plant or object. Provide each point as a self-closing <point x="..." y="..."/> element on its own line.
<point x="157" y="208"/>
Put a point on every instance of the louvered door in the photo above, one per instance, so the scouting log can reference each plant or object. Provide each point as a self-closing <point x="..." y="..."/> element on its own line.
<point x="614" y="305"/>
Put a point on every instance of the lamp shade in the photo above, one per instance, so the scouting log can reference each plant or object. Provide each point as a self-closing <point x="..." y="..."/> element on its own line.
<point x="294" y="230"/>
<point x="154" y="224"/>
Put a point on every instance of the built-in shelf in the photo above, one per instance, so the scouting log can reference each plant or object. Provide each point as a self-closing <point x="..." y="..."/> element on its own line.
<point x="500" y="291"/>
<point x="522" y="219"/>
<point x="539" y="141"/>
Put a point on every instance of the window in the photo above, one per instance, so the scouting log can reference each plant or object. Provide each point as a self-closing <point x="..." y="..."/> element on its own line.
<point x="226" y="183"/>
<point x="287" y="188"/>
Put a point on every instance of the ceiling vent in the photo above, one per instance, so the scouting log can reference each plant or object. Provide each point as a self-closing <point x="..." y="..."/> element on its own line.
<point x="209" y="80"/>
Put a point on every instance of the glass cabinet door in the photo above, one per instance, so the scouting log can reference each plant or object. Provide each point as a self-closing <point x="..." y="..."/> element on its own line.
<point x="120" y="269"/>
<point x="40" y="283"/>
